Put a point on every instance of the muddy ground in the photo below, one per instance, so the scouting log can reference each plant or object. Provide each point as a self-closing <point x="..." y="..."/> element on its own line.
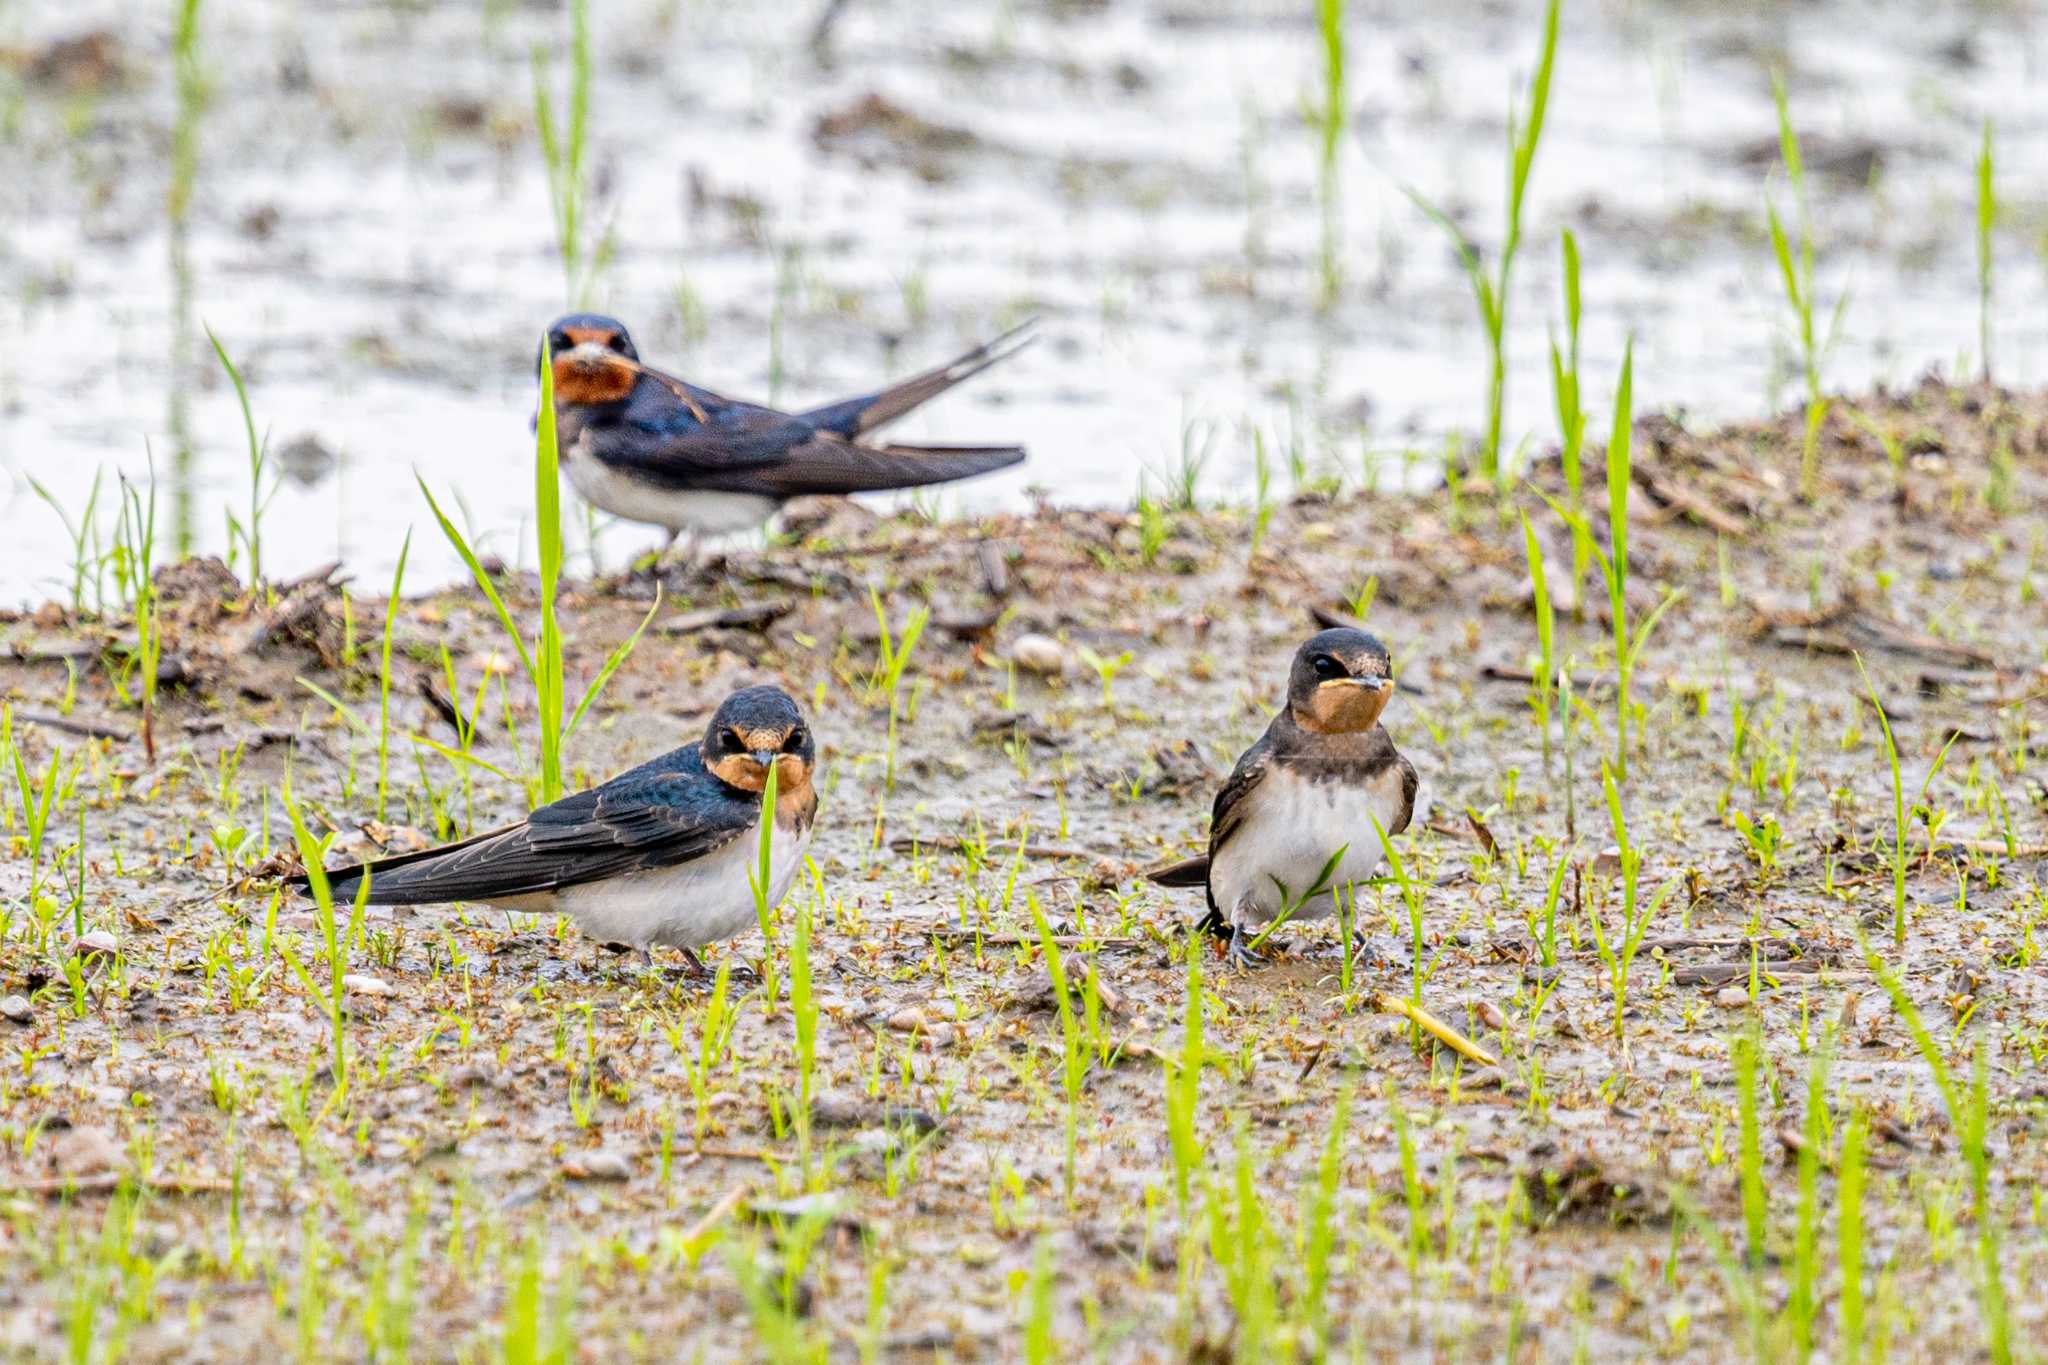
<point x="519" y="1163"/>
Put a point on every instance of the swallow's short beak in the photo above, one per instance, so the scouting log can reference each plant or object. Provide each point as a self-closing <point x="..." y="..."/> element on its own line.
<point x="586" y="353"/>
<point x="1386" y="684"/>
<point x="765" y="757"/>
<point x="1348" y="682"/>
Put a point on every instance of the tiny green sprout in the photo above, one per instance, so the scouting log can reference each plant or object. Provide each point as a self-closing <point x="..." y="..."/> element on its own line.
<point x="1491" y="293"/>
<point x="1796" y="275"/>
<point x="1762" y="837"/>
<point x="227" y="841"/>
<point x="564" y="151"/>
<point x="761" y="879"/>
<point x="892" y="657"/>
<point x="1571" y="416"/>
<point x="1361" y="601"/>
<point x="1328" y="118"/>
<point x="1153" y="528"/>
<point x="1546" y="661"/>
<point x="1987" y="218"/>
<point x="1262" y="506"/>
<point x="84" y="537"/>
<point x="249" y="534"/>
<point x="1106" y="669"/>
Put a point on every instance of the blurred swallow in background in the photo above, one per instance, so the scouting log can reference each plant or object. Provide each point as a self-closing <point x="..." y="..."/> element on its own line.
<point x="1292" y="828"/>
<point x="667" y="853"/>
<point x="652" y="448"/>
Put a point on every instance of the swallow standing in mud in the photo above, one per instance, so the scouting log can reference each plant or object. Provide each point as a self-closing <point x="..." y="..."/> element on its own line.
<point x="1293" y="826"/>
<point x="652" y="448"/>
<point x="664" y="854"/>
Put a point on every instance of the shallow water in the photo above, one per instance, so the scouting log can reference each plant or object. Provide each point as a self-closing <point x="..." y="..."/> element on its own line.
<point x="371" y="236"/>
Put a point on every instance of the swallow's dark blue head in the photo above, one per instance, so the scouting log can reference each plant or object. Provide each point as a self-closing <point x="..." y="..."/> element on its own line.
<point x="754" y="728"/>
<point x="594" y="359"/>
<point x="1340" y="681"/>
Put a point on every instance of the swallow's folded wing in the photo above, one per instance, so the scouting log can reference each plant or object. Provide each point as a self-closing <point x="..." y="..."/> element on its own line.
<point x="1233" y="801"/>
<point x="656" y="816"/>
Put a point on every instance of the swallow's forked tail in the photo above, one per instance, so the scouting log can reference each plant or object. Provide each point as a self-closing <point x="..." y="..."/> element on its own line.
<point x="860" y="416"/>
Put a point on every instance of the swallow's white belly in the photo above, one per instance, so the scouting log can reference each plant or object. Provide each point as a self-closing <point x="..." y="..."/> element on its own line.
<point x="679" y="509"/>
<point x="687" y="906"/>
<point x="1291" y="830"/>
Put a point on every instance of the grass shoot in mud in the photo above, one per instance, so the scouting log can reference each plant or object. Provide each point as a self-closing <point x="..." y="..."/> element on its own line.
<point x="1490" y="292"/>
<point x="134" y="568"/>
<point x="565" y="148"/>
<point x="246" y="535"/>
<point x="892" y="658"/>
<point x="1571" y="417"/>
<point x="1987" y="219"/>
<point x="88" y="561"/>
<point x="1794" y="254"/>
<point x="543" y="662"/>
<point x="1330" y="115"/>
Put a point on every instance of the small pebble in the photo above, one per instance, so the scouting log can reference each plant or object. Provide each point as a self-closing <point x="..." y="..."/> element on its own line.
<point x="365" y="985"/>
<point x="16" y="1008"/>
<point x="1040" y="654"/>
<point x="603" y="1164"/>
<point x="1732" y="997"/>
<point x="1489" y="1013"/>
<point x="98" y="943"/>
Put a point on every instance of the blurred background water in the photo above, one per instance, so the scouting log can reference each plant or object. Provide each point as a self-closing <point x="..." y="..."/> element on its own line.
<point x="776" y="214"/>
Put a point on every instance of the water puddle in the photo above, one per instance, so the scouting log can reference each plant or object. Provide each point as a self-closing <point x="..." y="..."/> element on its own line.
<point x="370" y="235"/>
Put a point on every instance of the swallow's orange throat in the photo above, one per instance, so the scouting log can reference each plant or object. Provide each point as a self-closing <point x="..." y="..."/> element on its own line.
<point x="1342" y="708"/>
<point x="579" y="380"/>
<point x="795" y="798"/>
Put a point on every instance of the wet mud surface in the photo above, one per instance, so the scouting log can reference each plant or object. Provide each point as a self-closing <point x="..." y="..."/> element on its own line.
<point x="526" y="1149"/>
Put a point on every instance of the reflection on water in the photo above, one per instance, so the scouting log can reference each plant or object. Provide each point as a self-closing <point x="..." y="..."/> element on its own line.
<point x="178" y="420"/>
<point x="359" y="208"/>
<point x="189" y="79"/>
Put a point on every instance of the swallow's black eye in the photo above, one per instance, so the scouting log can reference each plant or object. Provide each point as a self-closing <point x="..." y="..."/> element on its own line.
<point x="795" y="742"/>
<point x="731" y="743"/>
<point x="1326" y="667"/>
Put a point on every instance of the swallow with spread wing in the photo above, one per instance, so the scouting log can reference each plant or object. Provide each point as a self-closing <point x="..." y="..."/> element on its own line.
<point x="1293" y="826"/>
<point x="667" y="853"/>
<point x="652" y="448"/>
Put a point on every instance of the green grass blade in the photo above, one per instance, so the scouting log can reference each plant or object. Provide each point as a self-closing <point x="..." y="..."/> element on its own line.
<point x="611" y="666"/>
<point x="482" y="579"/>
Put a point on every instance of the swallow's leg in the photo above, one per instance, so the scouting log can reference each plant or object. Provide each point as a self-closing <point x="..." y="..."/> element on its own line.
<point x="1377" y="952"/>
<point x="1239" y="952"/>
<point x="692" y="968"/>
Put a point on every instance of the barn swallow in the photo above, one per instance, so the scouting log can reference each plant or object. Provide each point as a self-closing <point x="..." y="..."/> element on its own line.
<point x="1306" y="793"/>
<point x="667" y="853"/>
<point x="652" y="448"/>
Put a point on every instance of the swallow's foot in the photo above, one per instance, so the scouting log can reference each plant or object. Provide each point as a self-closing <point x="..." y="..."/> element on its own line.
<point x="691" y="968"/>
<point x="1376" y="952"/>
<point x="1239" y="953"/>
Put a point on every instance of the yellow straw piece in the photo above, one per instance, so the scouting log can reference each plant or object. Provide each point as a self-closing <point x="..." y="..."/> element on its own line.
<point x="1444" y="1033"/>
